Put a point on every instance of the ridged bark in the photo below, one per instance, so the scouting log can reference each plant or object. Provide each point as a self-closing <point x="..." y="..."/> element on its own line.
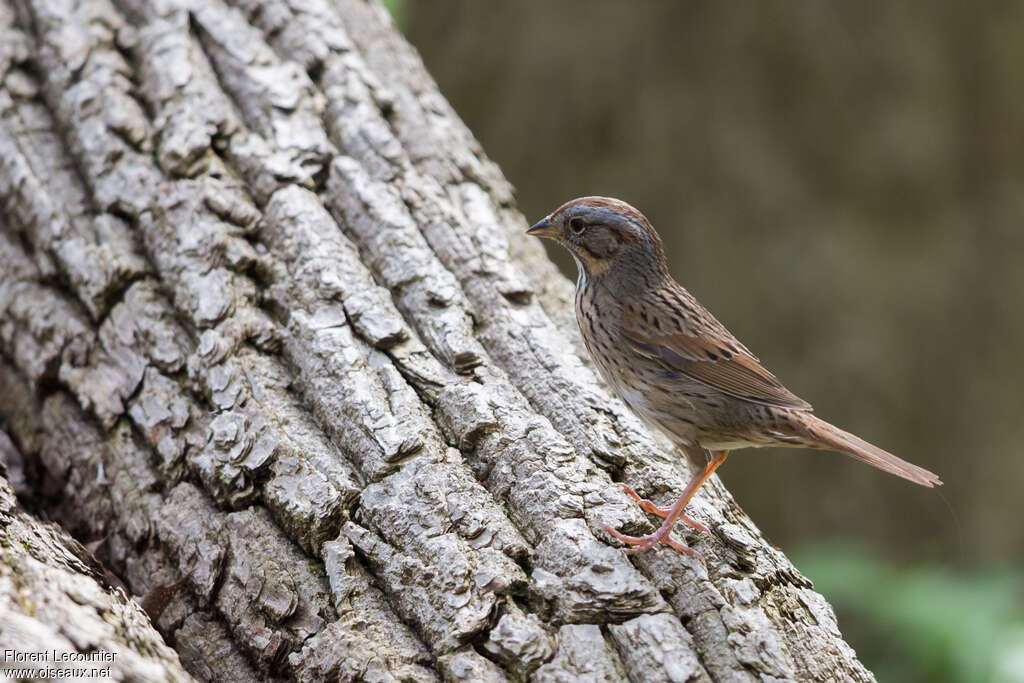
<point x="269" y="324"/>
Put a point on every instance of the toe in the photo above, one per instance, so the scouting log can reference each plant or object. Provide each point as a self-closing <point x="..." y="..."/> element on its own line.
<point x="645" y="504"/>
<point x="631" y="540"/>
<point x="690" y="521"/>
<point x="684" y="549"/>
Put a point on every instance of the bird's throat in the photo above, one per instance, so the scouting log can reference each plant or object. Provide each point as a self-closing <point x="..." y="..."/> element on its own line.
<point x="581" y="272"/>
<point x="590" y="268"/>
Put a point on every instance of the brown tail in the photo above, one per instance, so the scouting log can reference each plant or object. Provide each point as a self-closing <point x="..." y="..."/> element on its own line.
<point x="828" y="436"/>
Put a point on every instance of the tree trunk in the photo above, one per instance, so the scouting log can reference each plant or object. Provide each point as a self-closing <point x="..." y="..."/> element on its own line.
<point x="58" y="612"/>
<point x="270" y="327"/>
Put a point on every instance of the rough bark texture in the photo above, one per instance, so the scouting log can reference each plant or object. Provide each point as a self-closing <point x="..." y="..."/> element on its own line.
<point x="55" y="599"/>
<point x="269" y="325"/>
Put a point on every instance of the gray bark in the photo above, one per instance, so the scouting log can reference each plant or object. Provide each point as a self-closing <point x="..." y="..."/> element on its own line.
<point x="57" y="604"/>
<point x="269" y="324"/>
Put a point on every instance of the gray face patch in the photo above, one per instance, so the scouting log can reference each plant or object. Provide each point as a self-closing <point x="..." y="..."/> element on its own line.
<point x="599" y="242"/>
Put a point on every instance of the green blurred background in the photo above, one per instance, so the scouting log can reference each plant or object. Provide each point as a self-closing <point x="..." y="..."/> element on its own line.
<point x="842" y="184"/>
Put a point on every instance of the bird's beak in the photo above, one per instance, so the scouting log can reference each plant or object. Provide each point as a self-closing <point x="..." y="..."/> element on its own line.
<point x="544" y="229"/>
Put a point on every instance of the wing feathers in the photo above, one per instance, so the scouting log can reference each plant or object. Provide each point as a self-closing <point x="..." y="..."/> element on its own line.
<point x="712" y="356"/>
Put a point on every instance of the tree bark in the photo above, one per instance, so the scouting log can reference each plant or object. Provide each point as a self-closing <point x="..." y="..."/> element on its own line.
<point x="270" y="326"/>
<point x="57" y="607"/>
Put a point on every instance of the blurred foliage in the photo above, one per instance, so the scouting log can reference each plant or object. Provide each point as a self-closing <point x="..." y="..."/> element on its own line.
<point x="397" y="10"/>
<point x="842" y="184"/>
<point x="920" y="623"/>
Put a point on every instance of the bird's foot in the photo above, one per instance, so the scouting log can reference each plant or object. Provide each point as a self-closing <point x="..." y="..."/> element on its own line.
<point x="649" y="506"/>
<point x="641" y="544"/>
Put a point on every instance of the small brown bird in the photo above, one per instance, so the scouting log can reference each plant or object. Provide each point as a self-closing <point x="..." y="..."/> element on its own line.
<point x="675" y="365"/>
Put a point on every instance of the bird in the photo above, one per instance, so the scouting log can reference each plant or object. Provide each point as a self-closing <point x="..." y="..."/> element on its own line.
<point x="676" y="366"/>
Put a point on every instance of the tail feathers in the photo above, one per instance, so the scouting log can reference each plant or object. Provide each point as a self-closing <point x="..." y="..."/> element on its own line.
<point x="828" y="436"/>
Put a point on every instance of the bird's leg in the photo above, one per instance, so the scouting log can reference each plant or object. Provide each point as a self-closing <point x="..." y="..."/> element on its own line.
<point x="642" y="543"/>
<point x="649" y="506"/>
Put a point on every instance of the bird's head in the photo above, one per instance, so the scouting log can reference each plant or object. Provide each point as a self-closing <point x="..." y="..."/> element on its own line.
<point x="602" y="233"/>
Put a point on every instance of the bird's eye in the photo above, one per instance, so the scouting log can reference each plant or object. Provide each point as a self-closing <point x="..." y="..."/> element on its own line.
<point x="576" y="226"/>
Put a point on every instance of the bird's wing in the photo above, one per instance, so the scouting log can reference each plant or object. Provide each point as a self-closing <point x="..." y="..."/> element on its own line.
<point x="699" y="346"/>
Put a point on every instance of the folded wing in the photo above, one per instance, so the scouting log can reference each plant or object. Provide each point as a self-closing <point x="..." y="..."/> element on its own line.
<point x="709" y="354"/>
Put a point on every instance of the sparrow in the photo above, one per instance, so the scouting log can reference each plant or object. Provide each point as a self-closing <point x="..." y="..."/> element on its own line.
<point x="675" y="365"/>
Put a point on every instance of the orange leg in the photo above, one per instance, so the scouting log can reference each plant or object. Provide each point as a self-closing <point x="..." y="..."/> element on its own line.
<point x="649" y="506"/>
<point x="642" y="543"/>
